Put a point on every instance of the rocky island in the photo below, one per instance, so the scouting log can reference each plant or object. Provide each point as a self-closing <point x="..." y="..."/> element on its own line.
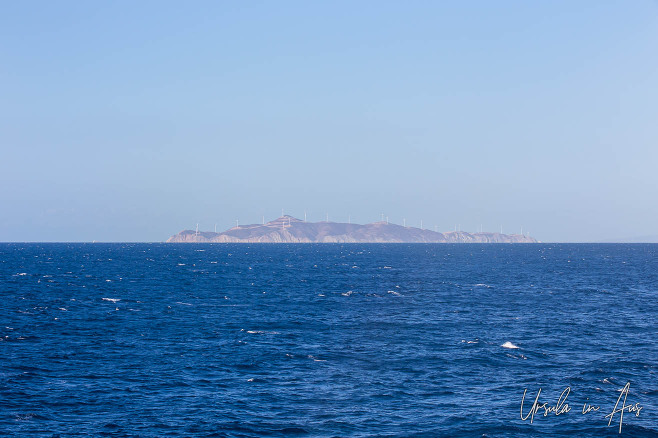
<point x="288" y="229"/>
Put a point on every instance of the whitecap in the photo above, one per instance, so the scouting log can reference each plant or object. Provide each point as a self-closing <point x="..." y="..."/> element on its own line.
<point x="392" y="292"/>
<point x="476" y="341"/>
<point x="114" y="300"/>
<point x="508" y="344"/>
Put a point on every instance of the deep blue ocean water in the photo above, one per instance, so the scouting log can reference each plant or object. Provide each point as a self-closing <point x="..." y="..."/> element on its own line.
<point x="325" y="340"/>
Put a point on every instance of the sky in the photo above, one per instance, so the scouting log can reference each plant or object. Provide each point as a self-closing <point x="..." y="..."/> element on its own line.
<point x="130" y="121"/>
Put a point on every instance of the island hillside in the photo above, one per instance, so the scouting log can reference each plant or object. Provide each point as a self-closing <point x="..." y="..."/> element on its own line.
<point x="288" y="229"/>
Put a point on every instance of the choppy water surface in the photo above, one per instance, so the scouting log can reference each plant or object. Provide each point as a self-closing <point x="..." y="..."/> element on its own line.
<point x="325" y="340"/>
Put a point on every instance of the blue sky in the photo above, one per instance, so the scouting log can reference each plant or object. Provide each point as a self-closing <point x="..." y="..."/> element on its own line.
<point x="129" y="121"/>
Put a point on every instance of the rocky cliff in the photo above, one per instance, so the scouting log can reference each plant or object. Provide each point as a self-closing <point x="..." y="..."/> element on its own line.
<point x="288" y="229"/>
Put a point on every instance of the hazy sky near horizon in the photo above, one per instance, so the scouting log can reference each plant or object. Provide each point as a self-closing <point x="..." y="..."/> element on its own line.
<point x="130" y="121"/>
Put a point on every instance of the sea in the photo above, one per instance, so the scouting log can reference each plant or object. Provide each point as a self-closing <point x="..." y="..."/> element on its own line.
<point x="328" y="340"/>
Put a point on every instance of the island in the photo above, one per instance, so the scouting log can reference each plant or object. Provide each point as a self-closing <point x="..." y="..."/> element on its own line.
<point x="288" y="229"/>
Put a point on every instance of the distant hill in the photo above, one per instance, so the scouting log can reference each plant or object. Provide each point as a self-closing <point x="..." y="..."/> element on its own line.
<point x="288" y="229"/>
